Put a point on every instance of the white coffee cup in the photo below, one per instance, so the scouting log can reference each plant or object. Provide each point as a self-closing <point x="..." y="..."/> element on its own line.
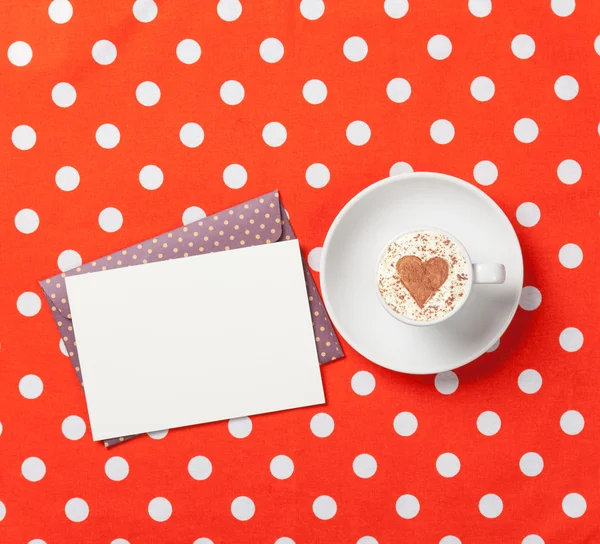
<point x="481" y="273"/>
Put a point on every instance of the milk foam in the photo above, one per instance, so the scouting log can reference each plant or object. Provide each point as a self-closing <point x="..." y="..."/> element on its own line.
<point x="425" y="245"/>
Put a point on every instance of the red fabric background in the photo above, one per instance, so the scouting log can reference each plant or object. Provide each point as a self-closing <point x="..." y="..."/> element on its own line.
<point x="315" y="134"/>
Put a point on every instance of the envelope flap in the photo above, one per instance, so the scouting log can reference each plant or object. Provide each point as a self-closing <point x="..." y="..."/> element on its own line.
<point x="255" y="222"/>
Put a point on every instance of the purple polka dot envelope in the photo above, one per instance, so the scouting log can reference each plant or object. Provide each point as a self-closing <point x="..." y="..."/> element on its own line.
<point x="188" y="327"/>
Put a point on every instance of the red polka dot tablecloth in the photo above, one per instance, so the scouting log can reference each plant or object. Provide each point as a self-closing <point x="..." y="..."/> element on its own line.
<point x="122" y="120"/>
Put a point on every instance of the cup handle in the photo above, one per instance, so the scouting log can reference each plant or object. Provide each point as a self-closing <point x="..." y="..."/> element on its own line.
<point x="489" y="273"/>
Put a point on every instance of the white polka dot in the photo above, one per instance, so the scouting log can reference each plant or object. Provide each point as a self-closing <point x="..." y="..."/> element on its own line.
<point x="77" y="510"/>
<point x="563" y="8"/>
<point x="572" y="422"/>
<point x="20" y="53"/>
<point x="574" y="505"/>
<point x="229" y="10"/>
<point x="446" y="382"/>
<point x="358" y="133"/>
<point x="242" y="508"/>
<point x="367" y="540"/>
<point x="531" y="298"/>
<point x="104" y="52"/>
<point x="120" y="541"/>
<point x="147" y="93"/>
<point x="485" y="172"/>
<point x="407" y="506"/>
<point x="566" y="87"/>
<point x="108" y="136"/>
<point x="533" y="539"/>
<point x="2" y="511"/>
<point x="405" y="424"/>
<point x="364" y="465"/>
<point x="528" y="214"/>
<point x="363" y="383"/>
<point x="64" y="94"/>
<point x="570" y="255"/>
<point x="60" y="11"/>
<point x="482" y="88"/>
<point x="188" y="51"/>
<point x="442" y="131"/>
<point x="151" y="177"/>
<point x="240" y="427"/>
<point x="281" y="467"/>
<point x="235" y="176"/>
<point x="450" y="540"/>
<point x="488" y="423"/>
<point x="29" y="304"/>
<point x="191" y="135"/>
<point x="317" y="175"/>
<point x="493" y="347"/>
<point x="571" y="339"/>
<point x="569" y="171"/>
<point x="145" y="11"/>
<point x="33" y="469"/>
<point x="203" y="541"/>
<point x="67" y="178"/>
<point x="324" y="507"/>
<point x="284" y="540"/>
<point x="271" y="50"/>
<point x="526" y="130"/>
<point x="355" y="49"/>
<point x="398" y="90"/>
<point x="523" y="46"/>
<point x="200" y="468"/>
<point x="110" y="219"/>
<point x="68" y="260"/>
<point x="314" y="258"/>
<point x="530" y="381"/>
<point x="274" y="134"/>
<point x="160" y="509"/>
<point x="400" y="168"/>
<point x="23" y="137"/>
<point x="62" y="347"/>
<point x="490" y="506"/>
<point x="1" y="428"/>
<point x="116" y="468"/>
<point x="531" y="464"/>
<point x="480" y="8"/>
<point x="447" y="465"/>
<point x="27" y="221"/>
<point x="439" y="47"/>
<point x="314" y="91"/>
<point x="312" y="9"/>
<point x="322" y="425"/>
<point x="192" y="214"/>
<point x="232" y="92"/>
<point x="158" y="435"/>
<point x="73" y="427"/>
<point x="597" y="45"/>
<point x="396" y="9"/>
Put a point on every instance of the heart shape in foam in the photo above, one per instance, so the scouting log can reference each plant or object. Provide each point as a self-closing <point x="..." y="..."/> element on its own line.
<point x="422" y="278"/>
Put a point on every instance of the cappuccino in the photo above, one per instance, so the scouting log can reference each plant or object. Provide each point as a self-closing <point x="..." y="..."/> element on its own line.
<point x="423" y="276"/>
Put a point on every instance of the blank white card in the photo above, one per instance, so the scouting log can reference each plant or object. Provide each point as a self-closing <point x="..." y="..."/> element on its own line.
<point x="193" y="340"/>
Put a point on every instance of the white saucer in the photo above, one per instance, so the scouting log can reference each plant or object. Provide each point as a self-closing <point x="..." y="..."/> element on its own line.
<point x="369" y="221"/>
